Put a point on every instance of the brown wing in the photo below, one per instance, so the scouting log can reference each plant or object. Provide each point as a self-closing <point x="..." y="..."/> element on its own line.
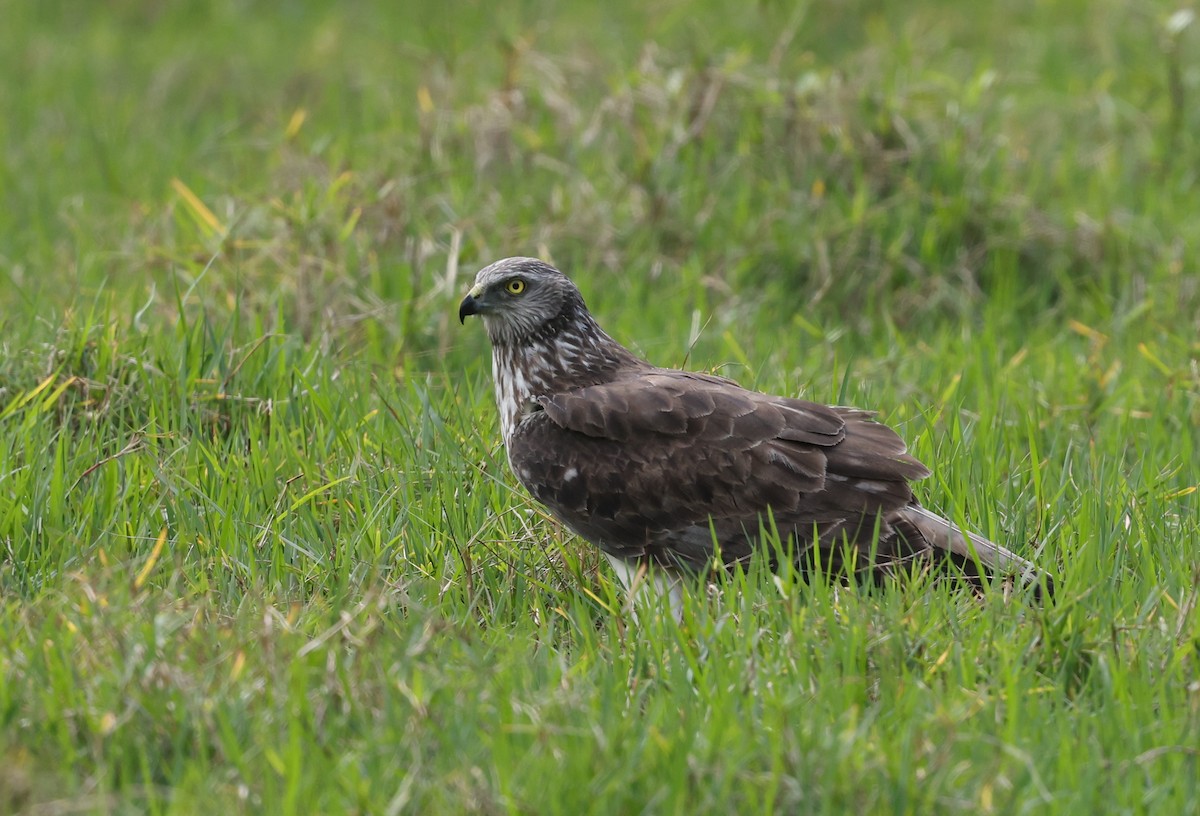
<point x="658" y="463"/>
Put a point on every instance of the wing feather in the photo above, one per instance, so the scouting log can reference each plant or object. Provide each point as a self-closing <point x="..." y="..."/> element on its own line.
<point x="647" y="463"/>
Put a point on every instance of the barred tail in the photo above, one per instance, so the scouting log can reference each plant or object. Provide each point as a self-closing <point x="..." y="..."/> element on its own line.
<point x="971" y="551"/>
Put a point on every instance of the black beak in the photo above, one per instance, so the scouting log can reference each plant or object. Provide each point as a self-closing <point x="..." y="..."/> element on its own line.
<point x="468" y="307"/>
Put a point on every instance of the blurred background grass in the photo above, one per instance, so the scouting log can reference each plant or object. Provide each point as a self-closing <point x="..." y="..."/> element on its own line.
<point x="875" y="163"/>
<point x="261" y="549"/>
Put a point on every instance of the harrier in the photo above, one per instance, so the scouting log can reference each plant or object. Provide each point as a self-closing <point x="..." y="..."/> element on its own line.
<point x="670" y="471"/>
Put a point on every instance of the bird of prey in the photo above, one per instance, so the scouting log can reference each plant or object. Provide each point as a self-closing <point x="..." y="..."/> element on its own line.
<point x="670" y="471"/>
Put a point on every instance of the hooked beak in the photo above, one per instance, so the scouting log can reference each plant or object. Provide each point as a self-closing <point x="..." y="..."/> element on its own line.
<point x="469" y="306"/>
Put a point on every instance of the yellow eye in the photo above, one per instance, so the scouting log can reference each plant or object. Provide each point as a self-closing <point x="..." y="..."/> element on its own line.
<point x="515" y="286"/>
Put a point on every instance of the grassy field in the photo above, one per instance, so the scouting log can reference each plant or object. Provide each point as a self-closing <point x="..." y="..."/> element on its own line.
<point x="260" y="551"/>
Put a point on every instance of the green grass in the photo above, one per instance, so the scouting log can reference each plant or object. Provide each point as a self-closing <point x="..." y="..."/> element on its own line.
<point x="261" y="551"/>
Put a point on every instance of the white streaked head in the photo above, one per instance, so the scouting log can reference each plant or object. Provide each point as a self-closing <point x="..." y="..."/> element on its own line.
<point x="521" y="300"/>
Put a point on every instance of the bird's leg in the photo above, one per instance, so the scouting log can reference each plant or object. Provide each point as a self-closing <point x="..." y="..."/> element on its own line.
<point x="655" y="582"/>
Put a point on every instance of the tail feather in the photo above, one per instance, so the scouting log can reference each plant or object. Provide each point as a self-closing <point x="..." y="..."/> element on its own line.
<point x="970" y="551"/>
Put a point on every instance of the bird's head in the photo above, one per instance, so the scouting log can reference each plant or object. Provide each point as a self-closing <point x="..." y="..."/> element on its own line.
<point x="521" y="300"/>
